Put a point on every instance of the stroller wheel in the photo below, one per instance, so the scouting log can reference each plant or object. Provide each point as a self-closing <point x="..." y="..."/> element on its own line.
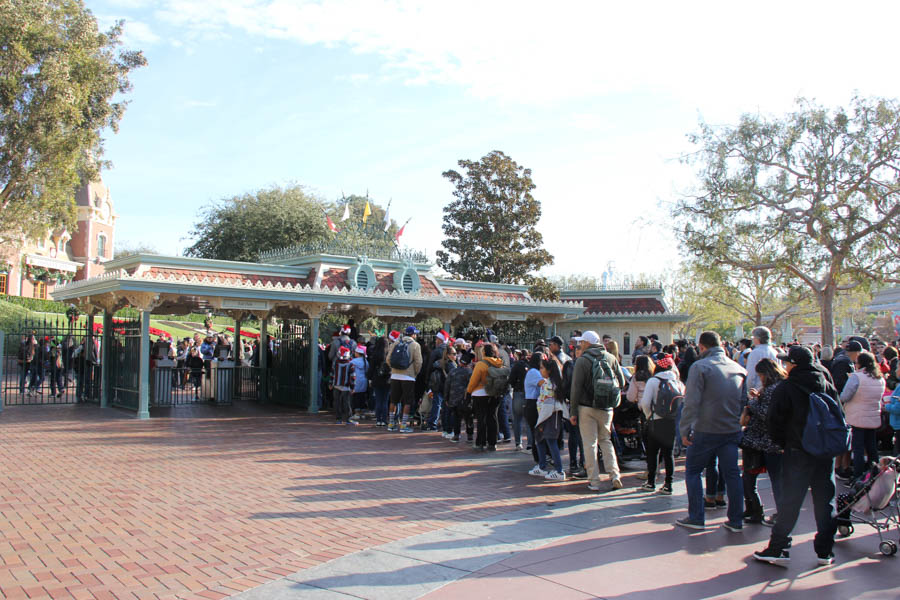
<point x="845" y="530"/>
<point x="888" y="548"/>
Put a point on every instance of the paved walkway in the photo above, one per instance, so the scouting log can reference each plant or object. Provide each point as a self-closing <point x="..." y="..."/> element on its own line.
<point x="207" y="503"/>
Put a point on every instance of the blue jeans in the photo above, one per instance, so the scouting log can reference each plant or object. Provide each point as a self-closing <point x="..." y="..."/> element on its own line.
<point x="381" y="394"/>
<point x="575" y="446"/>
<point x="27" y="370"/>
<point x="864" y="445"/>
<point x="715" y="485"/>
<point x="554" y="452"/>
<point x="805" y="472"/>
<point x="436" y="401"/>
<point x="724" y="446"/>
<point x="679" y="447"/>
<point x="503" y="416"/>
<point x="518" y="412"/>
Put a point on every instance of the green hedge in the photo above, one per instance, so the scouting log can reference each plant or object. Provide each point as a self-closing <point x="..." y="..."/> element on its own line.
<point x="37" y="305"/>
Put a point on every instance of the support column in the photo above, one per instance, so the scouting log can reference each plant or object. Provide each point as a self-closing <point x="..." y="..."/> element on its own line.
<point x="548" y="332"/>
<point x="144" y="381"/>
<point x="314" y="365"/>
<point x="2" y="336"/>
<point x="105" y="358"/>
<point x="238" y="346"/>
<point x="264" y="360"/>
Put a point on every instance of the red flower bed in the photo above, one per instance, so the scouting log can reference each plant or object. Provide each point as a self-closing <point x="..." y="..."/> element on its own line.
<point x="98" y="329"/>
<point x="248" y="334"/>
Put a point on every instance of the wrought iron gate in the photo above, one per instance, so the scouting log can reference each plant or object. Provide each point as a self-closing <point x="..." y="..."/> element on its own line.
<point x="288" y="376"/>
<point x="124" y="364"/>
<point x="50" y="361"/>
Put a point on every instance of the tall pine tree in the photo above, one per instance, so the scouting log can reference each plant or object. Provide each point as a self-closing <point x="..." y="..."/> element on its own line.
<point x="490" y="228"/>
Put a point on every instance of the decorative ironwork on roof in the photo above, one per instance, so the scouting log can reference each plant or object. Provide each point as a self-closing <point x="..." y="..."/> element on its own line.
<point x="354" y="239"/>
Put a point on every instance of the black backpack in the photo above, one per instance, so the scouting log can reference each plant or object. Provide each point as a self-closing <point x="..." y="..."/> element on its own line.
<point x="667" y="401"/>
<point x="400" y="358"/>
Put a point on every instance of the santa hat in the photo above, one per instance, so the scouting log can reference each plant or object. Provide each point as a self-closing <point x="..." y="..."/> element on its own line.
<point x="360" y="349"/>
<point x="443" y="336"/>
<point x="459" y="342"/>
<point x="394" y="335"/>
<point x="345" y="329"/>
<point x="344" y="351"/>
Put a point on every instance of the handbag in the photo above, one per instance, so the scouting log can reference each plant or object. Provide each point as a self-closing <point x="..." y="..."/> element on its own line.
<point x="662" y="431"/>
<point x="754" y="461"/>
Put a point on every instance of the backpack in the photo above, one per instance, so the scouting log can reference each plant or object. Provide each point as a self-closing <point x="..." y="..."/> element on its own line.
<point x="605" y="386"/>
<point x="437" y="378"/>
<point x="826" y="433"/>
<point x="400" y="358"/>
<point x="497" y="381"/>
<point x="667" y="401"/>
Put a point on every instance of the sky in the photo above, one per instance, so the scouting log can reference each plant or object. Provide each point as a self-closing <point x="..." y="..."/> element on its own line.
<point x="349" y="96"/>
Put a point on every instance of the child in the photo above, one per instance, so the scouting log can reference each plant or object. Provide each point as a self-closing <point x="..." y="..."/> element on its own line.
<point x="552" y="411"/>
<point x="458" y="401"/>
<point x="361" y="386"/>
<point x="343" y="384"/>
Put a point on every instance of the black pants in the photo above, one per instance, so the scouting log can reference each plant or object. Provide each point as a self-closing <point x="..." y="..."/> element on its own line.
<point x="531" y="417"/>
<point x="486" y="413"/>
<point x="655" y="451"/>
<point x="460" y="416"/>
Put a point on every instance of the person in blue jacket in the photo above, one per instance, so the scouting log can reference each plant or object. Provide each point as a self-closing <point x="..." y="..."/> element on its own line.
<point x="359" y="399"/>
<point x="893" y="409"/>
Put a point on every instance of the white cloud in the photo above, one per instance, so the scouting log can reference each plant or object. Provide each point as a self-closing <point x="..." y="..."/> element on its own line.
<point x="135" y="34"/>
<point x="539" y="52"/>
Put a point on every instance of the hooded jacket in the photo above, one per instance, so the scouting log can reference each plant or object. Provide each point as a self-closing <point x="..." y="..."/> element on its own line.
<point x="651" y="390"/>
<point x="841" y="368"/>
<point x="479" y="375"/>
<point x="714" y="395"/>
<point x="582" y="393"/>
<point x="790" y="404"/>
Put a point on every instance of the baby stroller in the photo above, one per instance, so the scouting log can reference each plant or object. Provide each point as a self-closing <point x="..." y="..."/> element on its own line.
<point x="872" y="500"/>
<point x="628" y="432"/>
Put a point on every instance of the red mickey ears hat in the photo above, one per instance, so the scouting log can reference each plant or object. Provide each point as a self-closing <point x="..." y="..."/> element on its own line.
<point x="443" y="336"/>
<point x="344" y="351"/>
<point x="394" y="335"/>
<point x="345" y="329"/>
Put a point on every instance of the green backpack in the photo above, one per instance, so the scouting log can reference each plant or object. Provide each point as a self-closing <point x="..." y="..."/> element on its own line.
<point x="604" y="383"/>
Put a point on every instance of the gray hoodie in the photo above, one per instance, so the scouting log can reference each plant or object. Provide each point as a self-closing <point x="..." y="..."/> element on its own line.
<point x="715" y="394"/>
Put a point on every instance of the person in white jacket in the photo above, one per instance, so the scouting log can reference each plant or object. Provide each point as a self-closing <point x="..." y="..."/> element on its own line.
<point x="861" y="397"/>
<point x="661" y="429"/>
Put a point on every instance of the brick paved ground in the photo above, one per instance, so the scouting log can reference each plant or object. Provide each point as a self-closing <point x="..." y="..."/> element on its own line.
<point x="204" y="503"/>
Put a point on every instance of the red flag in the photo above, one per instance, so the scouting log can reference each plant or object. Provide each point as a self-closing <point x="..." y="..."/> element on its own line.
<point x="331" y="224"/>
<point x="400" y="231"/>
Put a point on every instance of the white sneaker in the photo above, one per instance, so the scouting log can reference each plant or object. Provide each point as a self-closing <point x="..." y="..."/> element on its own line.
<point x="555" y="476"/>
<point x="537" y="471"/>
<point x="518" y="447"/>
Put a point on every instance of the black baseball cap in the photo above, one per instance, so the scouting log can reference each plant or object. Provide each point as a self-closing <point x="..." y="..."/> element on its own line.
<point x="797" y="355"/>
<point x="557" y="340"/>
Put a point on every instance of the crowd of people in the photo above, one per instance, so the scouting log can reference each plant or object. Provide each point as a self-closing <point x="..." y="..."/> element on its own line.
<point x="734" y="410"/>
<point x="57" y="363"/>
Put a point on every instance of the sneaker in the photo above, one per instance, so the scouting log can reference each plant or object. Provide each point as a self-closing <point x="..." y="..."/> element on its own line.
<point x="492" y="448"/>
<point x="454" y="439"/>
<point x="842" y="474"/>
<point x="648" y="487"/>
<point x="707" y="503"/>
<point x="732" y="527"/>
<point x="406" y="429"/>
<point x="505" y="441"/>
<point x="580" y="474"/>
<point x="518" y="447"/>
<point x="338" y="422"/>
<point x="593" y="487"/>
<point x="477" y="448"/>
<point x="665" y="490"/>
<point x="555" y="476"/>
<point x="770" y="521"/>
<point x="781" y="558"/>
<point x="617" y="484"/>
<point x="721" y="504"/>
<point x="351" y="422"/>
<point x="444" y="435"/>
<point x="689" y="524"/>
<point x="392" y="426"/>
<point x="825" y="559"/>
<point x="537" y="471"/>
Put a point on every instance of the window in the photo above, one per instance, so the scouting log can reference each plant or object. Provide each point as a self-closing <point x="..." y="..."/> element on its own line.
<point x="408" y="284"/>
<point x="40" y="290"/>
<point x="2" y="283"/>
<point x="626" y="344"/>
<point x="362" y="280"/>
<point x="101" y="246"/>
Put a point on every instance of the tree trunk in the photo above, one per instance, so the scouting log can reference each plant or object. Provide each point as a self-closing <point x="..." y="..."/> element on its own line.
<point x="825" y="299"/>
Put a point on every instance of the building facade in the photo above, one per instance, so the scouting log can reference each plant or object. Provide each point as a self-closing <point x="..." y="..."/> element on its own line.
<point x="36" y="267"/>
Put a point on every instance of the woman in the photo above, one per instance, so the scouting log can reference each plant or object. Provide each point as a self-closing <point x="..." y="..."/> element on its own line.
<point x="381" y="380"/>
<point x="862" y="407"/>
<point x="552" y="411"/>
<point x="643" y="370"/>
<point x="194" y="364"/>
<point x="485" y="406"/>
<point x="517" y="382"/>
<point x="532" y="392"/>
<point x="439" y="371"/>
<point x="661" y="429"/>
<point x="759" y="450"/>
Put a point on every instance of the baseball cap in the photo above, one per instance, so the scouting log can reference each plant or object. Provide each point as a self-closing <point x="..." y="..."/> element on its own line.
<point x="798" y="355"/>
<point x="411" y="330"/>
<point x="557" y="340"/>
<point x="590" y="337"/>
<point x="862" y="342"/>
<point x="854" y="346"/>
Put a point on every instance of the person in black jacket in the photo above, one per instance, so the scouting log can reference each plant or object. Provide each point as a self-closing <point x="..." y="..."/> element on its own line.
<point x="517" y="383"/>
<point x="802" y="471"/>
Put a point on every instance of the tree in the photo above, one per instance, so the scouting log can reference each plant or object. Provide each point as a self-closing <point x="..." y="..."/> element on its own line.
<point x="240" y="227"/>
<point x="58" y="77"/>
<point x="541" y="288"/>
<point x="130" y="249"/>
<point x="490" y="228"/>
<point x="823" y="183"/>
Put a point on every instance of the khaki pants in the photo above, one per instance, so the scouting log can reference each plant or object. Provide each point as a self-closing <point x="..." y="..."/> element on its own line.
<point x="595" y="427"/>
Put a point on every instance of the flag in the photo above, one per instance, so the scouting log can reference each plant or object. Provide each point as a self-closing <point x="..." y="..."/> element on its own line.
<point x="387" y="218"/>
<point x="400" y="231"/>
<point x="346" y="212"/>
<point x="331" y="224"/>
<point x="367" y="211"/>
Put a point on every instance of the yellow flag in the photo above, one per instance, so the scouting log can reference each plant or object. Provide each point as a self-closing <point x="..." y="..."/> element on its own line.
<point x="366" y="212"/>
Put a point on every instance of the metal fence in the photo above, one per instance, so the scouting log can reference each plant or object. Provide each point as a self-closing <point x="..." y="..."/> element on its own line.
<point x="45" y="362"/>
<point x="288" y="375"/>
<point x="124" y="364"/>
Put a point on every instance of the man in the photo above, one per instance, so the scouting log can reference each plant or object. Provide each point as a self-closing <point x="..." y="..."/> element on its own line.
<point x="761" y="350"/>
<point x="788" y="411"/>
<point x="744" y="348"/>
<point x="505" y="407"/>
<point x="593" y="414"/>
<point x="640" y="347"/>
<point x="342" y="340"/>
<point x="567" y="366"/>
<point x="403" y="381"/>
<point x="711" y="426"/>
<point x="437" y="396"/>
